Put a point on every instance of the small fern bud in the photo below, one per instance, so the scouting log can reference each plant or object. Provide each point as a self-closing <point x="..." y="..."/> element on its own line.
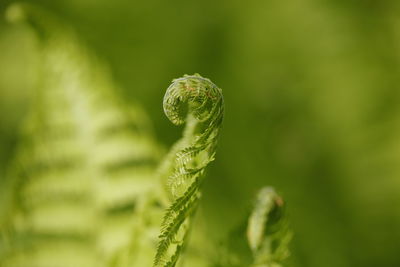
<point x="267" y="231"/>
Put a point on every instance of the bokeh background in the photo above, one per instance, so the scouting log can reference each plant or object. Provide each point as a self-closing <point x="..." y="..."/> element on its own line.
<point x="312" y="106"/>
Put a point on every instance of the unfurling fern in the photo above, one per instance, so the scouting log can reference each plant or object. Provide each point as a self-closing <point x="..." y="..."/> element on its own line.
<point x="267" y="232"/>
<point x="85" y="165"/>
<point x="198" y="102"/>
<point x="262" y="240"/>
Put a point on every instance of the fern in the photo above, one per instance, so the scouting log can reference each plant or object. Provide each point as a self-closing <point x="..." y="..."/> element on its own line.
<point x="262" y="240"/>
<point x="267" y="232"/>
<point x="185" y="165"/>
<point x="85" y="166"/>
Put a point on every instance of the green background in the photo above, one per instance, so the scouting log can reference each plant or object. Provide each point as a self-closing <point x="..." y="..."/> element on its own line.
<point x="312" y="106"/>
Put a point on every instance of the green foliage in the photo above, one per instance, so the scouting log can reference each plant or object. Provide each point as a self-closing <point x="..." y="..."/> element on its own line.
<point x="86" y="163"/>
<point x="312" y="107"/>
<point x="87" y="186"/>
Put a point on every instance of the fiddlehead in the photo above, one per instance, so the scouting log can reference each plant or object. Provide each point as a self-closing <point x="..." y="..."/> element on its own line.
<point x="267" y="232"/>
<point x="261" y="240"/>
<point x="185" y="165"/>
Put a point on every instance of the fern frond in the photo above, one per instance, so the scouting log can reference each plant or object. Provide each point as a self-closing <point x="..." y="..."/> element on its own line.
<point x="185" y="165"/>
<point x="268" y="233"/>
<point x="85" y="164"/>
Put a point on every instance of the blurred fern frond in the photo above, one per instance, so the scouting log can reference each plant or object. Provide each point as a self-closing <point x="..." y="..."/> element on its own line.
<point x="85" y="165"/>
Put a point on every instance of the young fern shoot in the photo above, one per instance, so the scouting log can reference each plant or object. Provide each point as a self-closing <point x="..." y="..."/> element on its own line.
<point x="185" y="165"/>
<point x="268" y="234"/>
